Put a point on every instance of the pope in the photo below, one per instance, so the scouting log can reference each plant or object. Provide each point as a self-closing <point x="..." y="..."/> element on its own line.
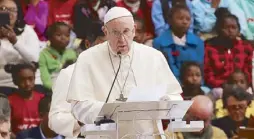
<point x="96" y="68"/>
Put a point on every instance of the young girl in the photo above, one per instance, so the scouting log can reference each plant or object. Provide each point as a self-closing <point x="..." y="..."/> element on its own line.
<point x="191" y="79"/>
<point x="36" y="14"/>
<point x="226" y="52"/>
<point x="239" y="79"/>
<point x="24" y="102"/>
<point x="55" y="57"/>
<point x="177" y="44"/>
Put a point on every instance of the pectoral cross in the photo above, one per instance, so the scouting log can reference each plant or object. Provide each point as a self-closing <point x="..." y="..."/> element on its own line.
<point x="121" y="98"/>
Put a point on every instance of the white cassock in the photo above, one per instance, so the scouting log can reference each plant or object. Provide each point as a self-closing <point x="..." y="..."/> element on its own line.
<point x="61" y="119"/>
<point x="95" y="71"/>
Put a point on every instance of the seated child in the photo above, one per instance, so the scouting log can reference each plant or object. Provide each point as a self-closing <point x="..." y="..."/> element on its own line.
<point x="43" y="131"/>
<point x="191" y="80"/>
<point x="239" y="79"/>
<point x="56" y="56"/>
<point x="226" y="52"/>
<point x="140" y="35"/>
<point x="177" y="44"/>
<point x="24" y="102"/>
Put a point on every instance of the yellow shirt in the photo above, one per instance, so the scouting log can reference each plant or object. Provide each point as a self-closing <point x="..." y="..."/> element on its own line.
<point x="221" y="112"/>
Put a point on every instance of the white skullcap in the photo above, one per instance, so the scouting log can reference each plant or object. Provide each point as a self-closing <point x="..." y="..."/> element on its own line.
<point x="116" y="12"/>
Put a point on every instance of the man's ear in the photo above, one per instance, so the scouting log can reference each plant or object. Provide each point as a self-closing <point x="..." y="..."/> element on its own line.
<point x="105" y="31"/>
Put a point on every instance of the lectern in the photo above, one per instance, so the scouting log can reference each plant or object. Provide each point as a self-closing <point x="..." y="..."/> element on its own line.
<point x="135" y="111"/>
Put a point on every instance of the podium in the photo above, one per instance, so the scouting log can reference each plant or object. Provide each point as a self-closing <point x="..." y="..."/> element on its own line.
<point x="135" y="111"/>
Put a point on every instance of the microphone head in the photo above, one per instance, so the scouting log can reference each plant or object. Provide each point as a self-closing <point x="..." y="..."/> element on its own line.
<point x="119" y="53"/>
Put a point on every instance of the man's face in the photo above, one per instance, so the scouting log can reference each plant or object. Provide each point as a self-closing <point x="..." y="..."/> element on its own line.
<point x="140" y="33"/>
<point x="236" y="108"/>
<point x="197" y="115"/>
<point x="5" y="130"/>
<point x="120" y="33"/>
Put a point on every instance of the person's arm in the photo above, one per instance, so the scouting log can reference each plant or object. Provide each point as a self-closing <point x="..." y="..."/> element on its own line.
<point x="210" y="77"/>
<point x="157" y="17"/>
<point x="42" y="19"/>
<point x="204" y="20"/>
<point x="36" y="18"/>
<point x="248" y="61"/>
<point x="85" y="106"/>
<point x="28" y="45"/>
<point x="45" y="75"/>
<point x="61" y="119"/>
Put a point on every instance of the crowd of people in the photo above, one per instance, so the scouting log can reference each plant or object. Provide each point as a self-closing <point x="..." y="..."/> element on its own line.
<point x="208" y="45"/>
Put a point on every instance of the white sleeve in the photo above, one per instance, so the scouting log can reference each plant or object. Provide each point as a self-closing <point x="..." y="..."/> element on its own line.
<point x="28" y="45"/>
<point x="165" y="76"/>
<point x="85" y="106"/>
<point x="61" y="119"/>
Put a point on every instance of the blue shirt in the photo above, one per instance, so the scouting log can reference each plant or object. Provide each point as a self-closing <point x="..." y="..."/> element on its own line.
<point x="204" y="18"/>
<point x="158" y="19"/>
<point x="192" y="51"/>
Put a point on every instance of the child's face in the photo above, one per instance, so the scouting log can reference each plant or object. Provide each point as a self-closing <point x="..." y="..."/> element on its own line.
<point x="193" y="77"/>
<point x="60" y="38"/>
<point x="180" y="21"/>
<point x="240" y="80"/>
<point x="139" y="34"/>
<point x="99" y="40"/>
<point x="230" y="28"/>
<point x="26" y="79"/>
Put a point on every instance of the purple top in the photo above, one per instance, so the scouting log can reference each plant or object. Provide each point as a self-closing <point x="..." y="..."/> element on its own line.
<point x="37" y="16"/>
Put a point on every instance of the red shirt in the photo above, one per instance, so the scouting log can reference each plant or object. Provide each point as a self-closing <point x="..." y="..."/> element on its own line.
<point x="143" y="14"/>
<point x="61" y="11"/>
<point x="221" y="61"/>
<point x="24" y="113"/>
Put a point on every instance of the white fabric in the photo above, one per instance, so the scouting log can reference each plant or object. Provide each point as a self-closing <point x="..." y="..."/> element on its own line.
<point x="179" y="41"/>
<point x="93" y="76"/>
<point x="61" y="119"/>
<point x="116" y="12"/>
<point x="26" y="49"/>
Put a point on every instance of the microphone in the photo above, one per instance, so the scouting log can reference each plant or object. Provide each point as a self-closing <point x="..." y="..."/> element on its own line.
<point x="105" y="119"/>
<point x="119" y="54"/>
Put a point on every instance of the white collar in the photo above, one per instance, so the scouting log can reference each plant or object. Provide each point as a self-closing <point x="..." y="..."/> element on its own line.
<point x="179" y="41"/>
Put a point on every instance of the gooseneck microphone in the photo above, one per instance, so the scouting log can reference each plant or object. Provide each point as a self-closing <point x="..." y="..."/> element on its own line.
<point x="105" y="119"/>
<point x="119" y="55"/>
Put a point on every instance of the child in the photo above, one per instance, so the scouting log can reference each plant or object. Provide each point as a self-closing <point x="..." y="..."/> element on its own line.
<point x="36" y="14"/>
<point x="177" y="44"/>
<point x="140" y="35"/>
<point x="191" y="79"/>
<point x="56" y="56"/>
<point x="24" y="102"/>
<point x="240" y="79"/>
<point x="226" y="52"/>
<point x="42" y="131"/>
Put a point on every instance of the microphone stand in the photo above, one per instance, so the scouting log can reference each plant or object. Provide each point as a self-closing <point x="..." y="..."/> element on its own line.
<point x="105" y="119"/>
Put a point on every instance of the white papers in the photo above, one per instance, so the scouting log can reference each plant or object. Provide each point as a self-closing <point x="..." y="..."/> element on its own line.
<point x="147" y="93"/>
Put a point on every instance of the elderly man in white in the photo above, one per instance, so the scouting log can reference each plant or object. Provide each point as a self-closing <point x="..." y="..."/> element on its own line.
<point x="96" y="68"/>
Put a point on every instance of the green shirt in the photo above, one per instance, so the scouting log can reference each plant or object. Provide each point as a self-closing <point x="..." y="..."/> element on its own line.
<point x="51" y="62"/>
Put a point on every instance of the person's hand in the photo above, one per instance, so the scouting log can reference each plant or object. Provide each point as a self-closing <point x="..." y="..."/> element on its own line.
<point x="9" y="33"/>
<point x="215" y="3"/>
